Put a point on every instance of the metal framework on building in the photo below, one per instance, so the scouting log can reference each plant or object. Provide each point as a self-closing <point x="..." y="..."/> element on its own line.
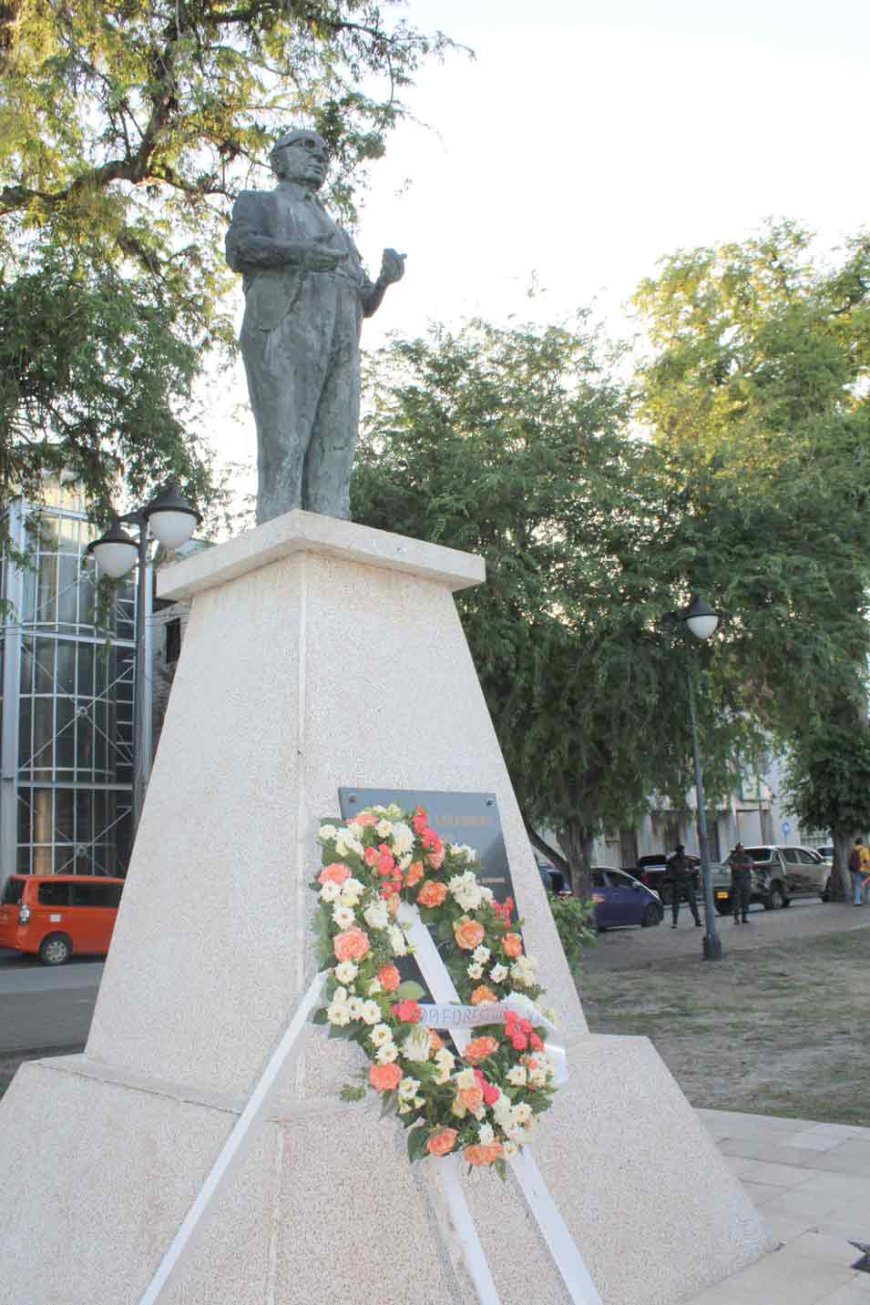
<point x="67" y="674"/>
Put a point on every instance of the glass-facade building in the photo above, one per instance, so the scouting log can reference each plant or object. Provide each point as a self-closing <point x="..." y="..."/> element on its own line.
<point x="66" y="671"/>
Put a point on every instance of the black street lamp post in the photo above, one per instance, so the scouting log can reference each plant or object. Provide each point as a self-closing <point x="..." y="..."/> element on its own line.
<point x="702" y="621"/>
<point x="171" y="520"/>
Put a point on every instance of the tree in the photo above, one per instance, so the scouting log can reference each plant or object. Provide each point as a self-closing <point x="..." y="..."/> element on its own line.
<point x="514" y="443"/>
<point x="829" y="786"/>
<point x="757" y="396"/>
<point x="125" y="128"/>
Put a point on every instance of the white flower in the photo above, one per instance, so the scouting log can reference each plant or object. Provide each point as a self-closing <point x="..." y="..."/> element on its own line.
<point x="405" y="1107"/>
<point x="523" y="971"/>
<point x="486" y="1134"/>
<point x="397" y="940"/>
<point x="408" y="1088"/>
<point x="498" y="973"/>
<point x="403" y="838"/>
<point x="351" y="891"/>
<point x="340" y="996"/>
<point x="417" y="1045"/>
<point x="404" y="862"/>
<point x="343" y="916"/>
<point x="466" y="890"/>
<point x="376" y="915"/>
<point x="464" y="851"/>
<point x="501" y="1112"/>
<point x="355" y="1005"/>
<point x="537" y="1077"/>
<point x="330" y="892"/>
<point x="374" y="986"/>
<point x="516" y="1076"/>
<point x="486" y="894"/>
<point x="380" y="1035"/>
<point x="346" y="972"/>
<point x="338" y="1010"/>
<point x="510" y="1150"/>
<point x="445" y="1061"/>
<point x="383" y="828"/>
<point x="521" y="1114"/>
<point x="346" y="841"/>
<point x="481" y="955"/>
<point x="326" y="834"/>
<point x="371" y="1012"/>
<point x="466" y="1078"/>
<point x="475" y="971"/>
<point x="386" y="1054"/>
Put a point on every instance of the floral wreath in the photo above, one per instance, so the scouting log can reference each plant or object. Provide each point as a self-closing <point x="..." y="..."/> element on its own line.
<point x="483" y="1103"/>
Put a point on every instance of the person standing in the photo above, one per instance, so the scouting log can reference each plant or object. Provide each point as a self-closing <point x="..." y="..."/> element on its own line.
<point x="682" y="878"/>
<point x="741" y="883"/>
<point x="859" y="868"/>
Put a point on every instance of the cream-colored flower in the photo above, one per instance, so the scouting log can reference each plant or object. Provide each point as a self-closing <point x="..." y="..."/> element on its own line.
<point x="383" y="828"/>
<point x="498" y="973"/>
<point x="408" y="1088"/>
<point x="481" y="955"/>
<point x="327" y="834"/>
<point x="351" y="892"/>
<point x="386" y="1054"/>
<point x="521" y="1113"/>
<point x="465" y="890"/>
<point x="397" y="940"/>
<point x="343" y="916"/>
<point x="370" y="1012"/>
<point x="374" y="987"/>
<point x="346" y="972"/>
<point x="347" y="842"/>
<point x="380" y="1035"/>
<point x="474" y="971"/>
<point x="330" y="892"/>
<point x="510" y="1150"/>
<point x="445" y="1062"/>
<point x="524" y="971"/>
<point x="338" y="1013"/>
<point x="466" y="1078"/>
<point x="376" y="914"/>
<point x="403" y="838"/>
<point x="486" y="1134"/>
<point x="537" y="1077"/>
<point x="355" y="1006"/>
<point x="517" y="1076"/>
<point x="417" y="1045"/>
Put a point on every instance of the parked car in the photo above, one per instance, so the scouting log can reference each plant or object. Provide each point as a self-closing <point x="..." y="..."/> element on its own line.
<point x="778" y="875"/>
<point x="652" y="871"/>
<point x="620" y="899"/>
<point x="57" y="916"/>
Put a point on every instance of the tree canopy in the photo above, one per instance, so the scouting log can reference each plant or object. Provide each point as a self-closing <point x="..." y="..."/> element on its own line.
<point x="514" y="443"/>
<point x="125" y="128"/>
<point x="758" y="397"/>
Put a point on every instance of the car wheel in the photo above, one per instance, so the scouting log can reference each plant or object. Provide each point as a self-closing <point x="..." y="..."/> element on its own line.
<point x="775" y="898"/>
<point x="723" y="908"/>
<point x="56" y="949"/>
<point x="652" y="915"/>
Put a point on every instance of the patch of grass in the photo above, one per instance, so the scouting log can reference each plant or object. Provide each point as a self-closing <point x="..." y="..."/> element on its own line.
<point x="784" y="1031"/>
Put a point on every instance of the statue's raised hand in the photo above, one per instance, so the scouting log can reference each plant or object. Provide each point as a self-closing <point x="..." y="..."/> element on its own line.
<point x="392" y="267"/>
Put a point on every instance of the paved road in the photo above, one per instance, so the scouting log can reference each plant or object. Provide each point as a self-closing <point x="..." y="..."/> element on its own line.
<point x="44" y="1008"/>
<point x="631" y="949"/>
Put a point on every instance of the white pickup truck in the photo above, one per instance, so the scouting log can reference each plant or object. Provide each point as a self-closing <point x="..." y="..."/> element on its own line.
<point x="778" y="874"/>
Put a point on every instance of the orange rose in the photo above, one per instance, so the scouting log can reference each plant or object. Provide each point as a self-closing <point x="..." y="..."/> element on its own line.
<point x="482" y="996"/>
<point x="431" y="894"/>
<point x="443" y="1142"/>
<point x="513" y="945"/>
<point x="468" y="934"/>
<point x="484" y="1155"/>
<point x="333" y="874"/>
<point x="364" y="818"/>
<point x="352" y="945"/>
<point x="435" y="1041"/>
<point x="480" y="1048"/>
<point x="390" y="978"/>
<point x="414" y="874"/>
<point x="471" y="1098"/>
<point x="385" y="1078"/>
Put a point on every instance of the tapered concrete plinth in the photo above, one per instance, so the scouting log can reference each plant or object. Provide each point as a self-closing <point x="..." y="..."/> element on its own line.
<point x="321" y="654"/>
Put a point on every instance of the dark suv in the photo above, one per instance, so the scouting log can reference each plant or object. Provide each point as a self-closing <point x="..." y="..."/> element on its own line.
<point x="652" y="871"/>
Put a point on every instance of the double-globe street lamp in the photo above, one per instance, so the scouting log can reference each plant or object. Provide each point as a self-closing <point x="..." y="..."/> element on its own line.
<point x="171" y="520"/>
<point x="701" y="620"/>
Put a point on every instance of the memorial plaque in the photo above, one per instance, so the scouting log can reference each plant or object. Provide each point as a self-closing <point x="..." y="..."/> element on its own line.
<point x="469" y="818"/>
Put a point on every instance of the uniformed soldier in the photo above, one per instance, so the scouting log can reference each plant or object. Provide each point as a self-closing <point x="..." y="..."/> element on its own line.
<point x="682" y="878"/>
<point x="741" y="883"/>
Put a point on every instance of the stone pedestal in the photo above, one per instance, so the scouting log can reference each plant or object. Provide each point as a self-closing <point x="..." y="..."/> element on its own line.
<point x="321" y="654"/>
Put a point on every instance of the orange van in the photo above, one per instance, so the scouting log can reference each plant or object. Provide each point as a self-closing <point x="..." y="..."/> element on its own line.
<point x="54" y="916"/>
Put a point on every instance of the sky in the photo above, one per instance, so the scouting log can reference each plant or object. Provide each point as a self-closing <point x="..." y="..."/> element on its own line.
<point x="586" y="140"/>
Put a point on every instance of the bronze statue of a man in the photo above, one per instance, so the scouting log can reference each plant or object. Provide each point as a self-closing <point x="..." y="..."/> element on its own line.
<point x="306" y="293"/>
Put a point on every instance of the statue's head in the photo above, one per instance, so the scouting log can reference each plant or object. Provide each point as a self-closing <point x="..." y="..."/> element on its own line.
<point x="300" y="155"/>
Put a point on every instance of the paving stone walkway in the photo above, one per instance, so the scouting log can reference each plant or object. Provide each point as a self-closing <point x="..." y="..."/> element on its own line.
<point x="811" y="1184"/>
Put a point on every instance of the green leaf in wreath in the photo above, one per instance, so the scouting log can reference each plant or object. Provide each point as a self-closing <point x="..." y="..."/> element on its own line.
<point x="410" y="991"/>
<point x="352" y="1092"/>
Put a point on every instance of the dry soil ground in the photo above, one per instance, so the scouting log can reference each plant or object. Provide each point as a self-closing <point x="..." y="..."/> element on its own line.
<point x="779" y="1026"/>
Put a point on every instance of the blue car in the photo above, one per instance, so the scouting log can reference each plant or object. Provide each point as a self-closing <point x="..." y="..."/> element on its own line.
<point x="622" y="900"/>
